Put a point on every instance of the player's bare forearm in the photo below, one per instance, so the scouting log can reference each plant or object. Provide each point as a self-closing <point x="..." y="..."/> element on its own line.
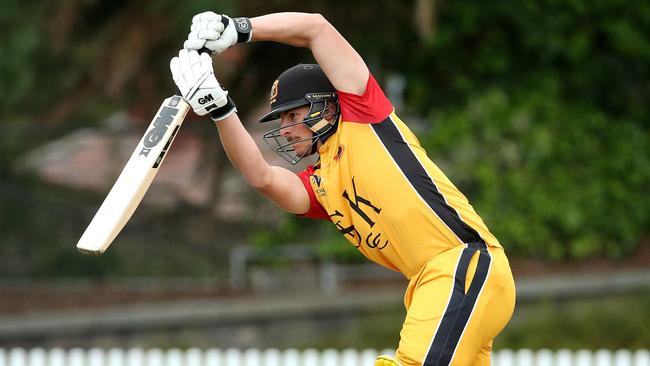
<point x="340" y="61"/>
<point x="242" y="151"/>
<point x="295" y="29"/>
<point x="278" y="184"/>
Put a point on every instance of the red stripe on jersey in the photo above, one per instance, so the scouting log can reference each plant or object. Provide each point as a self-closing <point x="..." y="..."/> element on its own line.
<point x="370" y="107"/>
<point x="316" y="211"/>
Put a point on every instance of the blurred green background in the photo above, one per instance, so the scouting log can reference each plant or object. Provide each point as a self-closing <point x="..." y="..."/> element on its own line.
<point x="537" y="110"/>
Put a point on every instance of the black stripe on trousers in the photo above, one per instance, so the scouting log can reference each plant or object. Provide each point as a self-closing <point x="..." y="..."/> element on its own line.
<point x="460" y="306"/>
<point x="423" y="184"/>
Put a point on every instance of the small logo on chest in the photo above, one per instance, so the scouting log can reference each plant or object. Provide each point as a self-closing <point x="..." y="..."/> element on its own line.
<point x="320" y="191"/>
<point x="339" y="152"/>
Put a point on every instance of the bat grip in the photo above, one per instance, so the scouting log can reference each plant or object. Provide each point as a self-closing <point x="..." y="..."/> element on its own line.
<point x="206" y="50"/>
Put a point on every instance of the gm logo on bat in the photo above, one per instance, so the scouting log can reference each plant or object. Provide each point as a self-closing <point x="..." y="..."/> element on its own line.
<point x="160" y="125"/>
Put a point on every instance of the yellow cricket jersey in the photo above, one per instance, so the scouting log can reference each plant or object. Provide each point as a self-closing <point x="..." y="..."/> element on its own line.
<point x="378" y="186"/>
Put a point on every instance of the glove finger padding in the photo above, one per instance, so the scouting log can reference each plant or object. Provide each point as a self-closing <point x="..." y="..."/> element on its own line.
<point x="205" y="31"/>
<point x="206" y="16"/>
<point x="195" y="64"/>
<point x="195" y="79"/>
<point x="177" y="75"/>
<point x="217" y="32"/>
<point x="215" y="26"/>
<point x="193" y="43"/>
<point x="184" y="62"/>
<point x="217" y="46"/>
<point x="206" y="61"/>
<point x="208" y="35"/>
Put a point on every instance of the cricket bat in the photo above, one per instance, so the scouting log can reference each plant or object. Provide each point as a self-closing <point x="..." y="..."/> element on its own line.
<point x="135" y="179"/>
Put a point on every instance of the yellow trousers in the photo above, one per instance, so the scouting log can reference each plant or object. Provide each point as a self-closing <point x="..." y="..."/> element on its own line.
<point x="456" y="305"/>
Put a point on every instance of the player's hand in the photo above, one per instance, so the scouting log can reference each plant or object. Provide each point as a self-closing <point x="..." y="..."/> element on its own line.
<point x="217" y="32"/>
<point x="194" y="77"/>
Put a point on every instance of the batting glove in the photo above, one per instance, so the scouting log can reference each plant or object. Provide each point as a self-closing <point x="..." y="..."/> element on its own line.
<point x="217" y="32"/>
<point x="194" y="77"/>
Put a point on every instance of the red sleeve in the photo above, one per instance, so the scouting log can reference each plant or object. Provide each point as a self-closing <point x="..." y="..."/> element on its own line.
<point x="316" y="210"/>
<point x="370" y="107"/>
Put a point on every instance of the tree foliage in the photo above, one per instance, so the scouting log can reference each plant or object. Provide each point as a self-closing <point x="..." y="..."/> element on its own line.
<point x="537" y="110"/>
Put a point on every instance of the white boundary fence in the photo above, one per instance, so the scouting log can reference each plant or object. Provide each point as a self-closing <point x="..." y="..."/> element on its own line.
<point x="292" y="357"/>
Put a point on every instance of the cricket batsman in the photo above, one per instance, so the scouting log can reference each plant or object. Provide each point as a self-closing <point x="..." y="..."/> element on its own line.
<point x="373" y="181"/>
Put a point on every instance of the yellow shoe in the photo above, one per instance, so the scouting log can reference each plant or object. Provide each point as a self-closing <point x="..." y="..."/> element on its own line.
<point x="384" y="360"/>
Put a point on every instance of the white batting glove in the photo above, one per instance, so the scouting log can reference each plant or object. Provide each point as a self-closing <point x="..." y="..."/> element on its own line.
<point x="217" y="32"/>
<point x="194" y="77"/>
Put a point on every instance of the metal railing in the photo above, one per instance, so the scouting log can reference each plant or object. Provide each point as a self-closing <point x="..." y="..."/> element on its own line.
<point x="292" y="357"/>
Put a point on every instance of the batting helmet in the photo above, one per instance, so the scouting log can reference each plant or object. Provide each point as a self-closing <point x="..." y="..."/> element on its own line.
<point x="302" y="85"/>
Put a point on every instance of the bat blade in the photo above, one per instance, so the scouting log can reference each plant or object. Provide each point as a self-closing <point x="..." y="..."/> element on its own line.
<point x="135" y="179"/>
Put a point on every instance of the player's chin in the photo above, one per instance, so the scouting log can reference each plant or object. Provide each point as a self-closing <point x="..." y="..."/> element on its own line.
<point x="302" y="148"/>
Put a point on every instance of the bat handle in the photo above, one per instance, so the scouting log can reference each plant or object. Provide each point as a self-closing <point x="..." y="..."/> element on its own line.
<point x="206" y="50"/>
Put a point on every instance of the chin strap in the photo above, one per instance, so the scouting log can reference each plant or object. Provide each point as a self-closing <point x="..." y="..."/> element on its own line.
<point x="322" y="136"/>
<point x="322" y="128"/>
